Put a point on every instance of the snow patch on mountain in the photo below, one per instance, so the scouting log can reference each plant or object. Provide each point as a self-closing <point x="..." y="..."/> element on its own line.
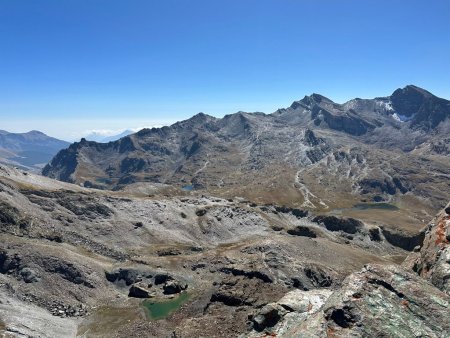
<point x="401" y="118"/>
<point x="386" y="105"/>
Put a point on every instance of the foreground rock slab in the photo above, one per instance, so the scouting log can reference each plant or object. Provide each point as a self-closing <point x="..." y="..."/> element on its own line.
<point x="379" y="301"/>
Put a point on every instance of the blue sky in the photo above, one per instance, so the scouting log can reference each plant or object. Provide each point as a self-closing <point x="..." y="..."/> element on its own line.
<point x="67" y="67"/>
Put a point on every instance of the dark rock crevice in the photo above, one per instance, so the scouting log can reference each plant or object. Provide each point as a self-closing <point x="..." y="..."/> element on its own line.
<point x="387" y="286"/>
<point x="302" y="231"/>
<point x="249" y="274"/>
<point x="344" y="317"/>
<point x="333" y="223"/>
<point x="402" y="240"/>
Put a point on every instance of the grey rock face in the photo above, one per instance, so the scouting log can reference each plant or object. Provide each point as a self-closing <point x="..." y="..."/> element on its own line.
<point x="127" y="275"/>
<point x="139" y="291"/>
<point x="405" y="241"/>
<point x="332" y="223"/>
<point x="424" y="109"/>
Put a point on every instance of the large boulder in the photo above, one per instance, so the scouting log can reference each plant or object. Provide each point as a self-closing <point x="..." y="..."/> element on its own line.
<point x="128" y="275"/>
<point x="171" y="287"/>
<point x="139" y="291"/>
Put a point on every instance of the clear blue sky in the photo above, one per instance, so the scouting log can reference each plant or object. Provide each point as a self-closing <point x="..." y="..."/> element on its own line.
<point x="67" y="66"/>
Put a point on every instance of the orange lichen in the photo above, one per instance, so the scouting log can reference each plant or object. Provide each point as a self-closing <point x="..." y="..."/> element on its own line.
<point x="440" y="231"/>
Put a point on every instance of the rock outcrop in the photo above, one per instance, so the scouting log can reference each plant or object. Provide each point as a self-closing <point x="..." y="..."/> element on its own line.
<point x="379" y="301"/>
<point x="432" y="261"/>
<point x="139" y="291"/>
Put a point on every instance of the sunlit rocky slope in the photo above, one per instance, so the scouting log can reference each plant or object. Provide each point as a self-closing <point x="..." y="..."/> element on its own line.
<point x="78" y="262"/>
<point x="316" y="154"/>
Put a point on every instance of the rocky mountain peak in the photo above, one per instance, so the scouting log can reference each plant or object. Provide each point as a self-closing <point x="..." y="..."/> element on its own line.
<point x="407" y="101"/>
<point x="201" y="117"/>
<point x="198" y="120"/>
<point x="425" y="110"/>
<point x="310" y="100"/>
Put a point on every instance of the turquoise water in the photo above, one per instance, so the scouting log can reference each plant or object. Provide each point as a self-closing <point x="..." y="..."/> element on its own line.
<point x="161" y="309"/>
<point x="188" y="187"/>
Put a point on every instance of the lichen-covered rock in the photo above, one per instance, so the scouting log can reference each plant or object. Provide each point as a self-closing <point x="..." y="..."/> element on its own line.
<point x="432" y="262"/>
<point x="385" y="301"/>
<point x="379" y="301"/>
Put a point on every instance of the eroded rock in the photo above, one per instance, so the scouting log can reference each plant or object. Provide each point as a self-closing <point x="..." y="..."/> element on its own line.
<point x="139" y="291"/>
<point x="402" y="239"/>
<point x="333" y="223"/>
<point x="302" y="231"/>
<point x="171" y="287"/>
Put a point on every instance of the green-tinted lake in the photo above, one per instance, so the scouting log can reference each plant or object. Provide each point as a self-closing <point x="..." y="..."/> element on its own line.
<point x="161" y="309"/>
<point x="366" y="206"/>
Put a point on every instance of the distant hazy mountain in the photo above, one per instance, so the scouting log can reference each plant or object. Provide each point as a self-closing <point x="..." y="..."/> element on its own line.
<point x="318" y="153"/>
<point x="101" y="138"/>
<point x="30" y="150"/>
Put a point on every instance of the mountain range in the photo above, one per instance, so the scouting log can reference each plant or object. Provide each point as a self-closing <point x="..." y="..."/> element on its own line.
<point x="31" y="150"/>
<point x="316" y="154"/>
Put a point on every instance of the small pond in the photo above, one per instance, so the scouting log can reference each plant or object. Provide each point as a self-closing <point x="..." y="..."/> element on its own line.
<point x="161" y="309"/>
<point x="188" y="187"/>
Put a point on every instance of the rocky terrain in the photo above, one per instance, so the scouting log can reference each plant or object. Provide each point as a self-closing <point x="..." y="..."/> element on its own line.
<point x="313" y="221"/>
<point x="31" y="151"/>
<point x="77" y="261"/>
<point x="411" y="300"/>
<point x="315" y="154"/>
